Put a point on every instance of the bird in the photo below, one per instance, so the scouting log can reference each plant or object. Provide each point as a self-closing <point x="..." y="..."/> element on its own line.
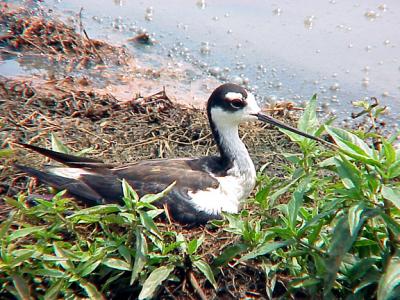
<point x="205" y="187"/>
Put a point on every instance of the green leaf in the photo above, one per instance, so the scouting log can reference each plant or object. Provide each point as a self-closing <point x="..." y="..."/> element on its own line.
<point x="280" y="192"/>
<point x="91" y="290"/>
<point x="5" y="225"/>
<point x="392" y="194"/>
<point x="394" y="170"/>
<point x="194" y="244"/>
<point x="19" y="259"/>
<point x="349" y="174"/>
<point x="116" y="263"/>
<point x="354" y="218"/>
<point x="392" y="224"/>
<point x="54" y="273"/>
<point x="206" y="270"/>
<point x="22" y="287"/>
<point x="98" y="209"/>
<point x="150" y="198"/>
<point x="353" y="146"/>
<point x="24" y="232"/>
<point x="297" y="200"/>
<point x="228" y="254"/>
<point x="342" y="241"/>
<point x="390" y="153"/>
<point x="140" y="257"/>
<point x="54" y="290"/>
<point x="390" y="281"/>
<point x="308" y="122"/>
<point x="130" y="195"/>
<point x="6" y="152"/>
<point x="58" y="146"/>
<point x="154" y="280"/>
<point x="60" y="252"/>
<point x="89" y="267"/>
<point x="265" y="248"/>
<point x="149" y="224"/>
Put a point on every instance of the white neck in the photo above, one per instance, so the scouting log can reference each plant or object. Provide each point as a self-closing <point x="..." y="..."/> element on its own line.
<point x="231" y="146"/>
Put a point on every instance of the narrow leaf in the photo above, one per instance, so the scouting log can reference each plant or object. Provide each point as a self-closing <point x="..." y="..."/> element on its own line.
<point x="140" y="257"/>
<point x="149" y="224"/>
<point x="206" y="270"/>
<point x="154" y="280"/>
<point x="24" y="232"/>
<point x="58" y="146"/>
<point x="91" y="290"/>
<point x="54" y="290"/>
<point x="390" y="281"/>
<point x="116" y="263"/>
<point x="22" y="287"/>
<point x="228" y="254"/>
<point x="265" y="248"/>
<point x="392" y="194"/>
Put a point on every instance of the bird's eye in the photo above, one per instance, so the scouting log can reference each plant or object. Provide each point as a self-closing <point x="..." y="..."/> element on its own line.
<point x="237" y="103"/>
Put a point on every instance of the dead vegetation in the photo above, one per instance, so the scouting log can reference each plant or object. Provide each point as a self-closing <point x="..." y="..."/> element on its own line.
<point x="34" y="34"/>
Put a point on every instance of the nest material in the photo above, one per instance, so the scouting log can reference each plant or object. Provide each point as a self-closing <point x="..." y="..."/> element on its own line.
<point x="144" y="128"/>
<point x="33" y="34"/>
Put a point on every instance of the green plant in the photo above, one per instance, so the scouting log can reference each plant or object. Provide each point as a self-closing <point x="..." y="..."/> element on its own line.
<point x="333" y="226"/>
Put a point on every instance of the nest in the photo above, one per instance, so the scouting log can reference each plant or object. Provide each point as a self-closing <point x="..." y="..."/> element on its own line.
<point x="36" y="35"/>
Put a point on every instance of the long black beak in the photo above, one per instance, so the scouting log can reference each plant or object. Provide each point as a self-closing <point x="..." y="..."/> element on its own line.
<point x="267" y="119"/>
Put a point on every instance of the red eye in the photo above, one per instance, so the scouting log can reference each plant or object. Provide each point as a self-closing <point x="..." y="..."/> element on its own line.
<point x="237" y="103"/>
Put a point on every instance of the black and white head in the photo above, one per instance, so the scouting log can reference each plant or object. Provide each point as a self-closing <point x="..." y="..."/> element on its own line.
<point x="230" y="104"/>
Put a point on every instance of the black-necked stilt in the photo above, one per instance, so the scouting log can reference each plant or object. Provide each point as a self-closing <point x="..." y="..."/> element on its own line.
<point x="204" y="187"/>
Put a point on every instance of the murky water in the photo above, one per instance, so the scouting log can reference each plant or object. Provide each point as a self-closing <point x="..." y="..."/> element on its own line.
<point x="283" y="50"/>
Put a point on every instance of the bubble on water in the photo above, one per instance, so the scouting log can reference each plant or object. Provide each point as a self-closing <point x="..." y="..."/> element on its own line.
<point x="385" y="94"/>
<point x="271" y="99"/>
<point x="350" y="45"/>
<point x="278" y="85"/>
<point x="148" y="17"/>
<point x="368" y="48"/>
<point x="349" y="28"/>
<point x="205" y="48"/>
<point x="215" y="71"/>
<point x="334" y="99"/>
<point x="386" y="42"/>
<point x="325" y="106"/>
<point x="318" y="51"/>
<point x="239" y="45"/>
<point x="226" y="15"/>
<point x="277" y="11"/>
<point x="334" y="75"/>
<point x="246" y="80"/>
<point x="237" y="80"/>
<point x="382" y="7"/>
<point x="366" y="69"/>
<point x="365" y="81"/>
<point x="215" y="18"/>
<point x="229" y="31"/>
<point x="347" y="71"/>
<point x="201" y="4"/>
<point x="371" y="15"/>
<point x="309" y="22"/>
<point x="334" y="87"/>
<point x="380" y="62"/>
<point x="316" y="82"/>
<point x="149" y="10"/>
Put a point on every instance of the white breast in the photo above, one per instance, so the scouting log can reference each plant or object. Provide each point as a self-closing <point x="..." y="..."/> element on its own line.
<point x="232" y="191"/>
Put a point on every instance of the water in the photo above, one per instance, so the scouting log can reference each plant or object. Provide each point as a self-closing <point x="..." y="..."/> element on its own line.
<point x="342" y="50"/>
